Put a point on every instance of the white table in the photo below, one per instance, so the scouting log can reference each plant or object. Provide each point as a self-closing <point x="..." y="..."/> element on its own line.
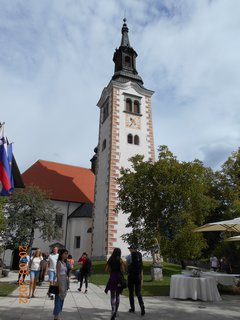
<point x="187" y="287"/>
<point x="223" y="278"/>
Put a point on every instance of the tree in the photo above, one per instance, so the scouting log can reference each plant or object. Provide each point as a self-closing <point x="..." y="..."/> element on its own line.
<point x="2" y="217"/>
<point x="230" y="184"/>
<point x="166" y="199"/>
<point x="226" y="191"/>
<point x="26" y="211"/>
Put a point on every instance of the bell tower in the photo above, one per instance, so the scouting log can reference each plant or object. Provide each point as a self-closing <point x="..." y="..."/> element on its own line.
<point x="125" y="129"/>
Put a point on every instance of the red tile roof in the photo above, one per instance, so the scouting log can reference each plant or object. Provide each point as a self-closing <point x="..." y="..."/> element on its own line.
<point x="63" y="182"/>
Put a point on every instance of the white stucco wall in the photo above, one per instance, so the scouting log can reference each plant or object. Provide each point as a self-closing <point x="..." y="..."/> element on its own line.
<point x="75" y="226"/>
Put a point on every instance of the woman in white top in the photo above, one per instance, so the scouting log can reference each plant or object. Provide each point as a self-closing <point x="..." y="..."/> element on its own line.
<point x="34" y="266"/>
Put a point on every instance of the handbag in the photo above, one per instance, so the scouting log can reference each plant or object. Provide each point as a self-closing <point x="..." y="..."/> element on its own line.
<point x="53" y="289"/>
<point x="123" y="282"/>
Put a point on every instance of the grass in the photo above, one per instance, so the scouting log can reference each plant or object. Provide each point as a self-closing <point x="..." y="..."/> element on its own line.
<point x="150" y="288"/>
<point x="6" y="288"/>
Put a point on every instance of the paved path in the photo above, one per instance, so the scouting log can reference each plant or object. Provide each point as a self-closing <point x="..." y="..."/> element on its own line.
<point x="95" y="305"/>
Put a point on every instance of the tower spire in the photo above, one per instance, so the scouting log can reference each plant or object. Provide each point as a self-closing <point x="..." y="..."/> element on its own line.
<point x="125" y="59"/>
<point x="125" y="40"/>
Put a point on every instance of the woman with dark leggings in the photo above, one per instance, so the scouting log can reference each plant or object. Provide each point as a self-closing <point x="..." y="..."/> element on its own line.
<point x="115" y="266"/>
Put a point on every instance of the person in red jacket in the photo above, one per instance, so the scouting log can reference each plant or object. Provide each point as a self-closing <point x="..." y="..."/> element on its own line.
<point x="85" y="270"/>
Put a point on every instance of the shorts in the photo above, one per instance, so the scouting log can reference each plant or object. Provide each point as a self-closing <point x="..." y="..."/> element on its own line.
<point x="34" y="274"/>
<point x="52" y="276"/>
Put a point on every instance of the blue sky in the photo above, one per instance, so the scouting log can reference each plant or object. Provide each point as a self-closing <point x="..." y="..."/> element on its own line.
<point x="56" y="58"/>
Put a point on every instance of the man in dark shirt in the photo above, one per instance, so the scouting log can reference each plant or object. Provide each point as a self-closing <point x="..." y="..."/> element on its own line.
<point x="135" y="277"/>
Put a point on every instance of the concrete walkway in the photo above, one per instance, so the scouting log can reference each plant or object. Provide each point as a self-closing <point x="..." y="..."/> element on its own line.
<point x="95" y="305"/>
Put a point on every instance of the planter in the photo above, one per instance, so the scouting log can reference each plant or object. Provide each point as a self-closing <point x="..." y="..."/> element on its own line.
<point x="156" y="272"/>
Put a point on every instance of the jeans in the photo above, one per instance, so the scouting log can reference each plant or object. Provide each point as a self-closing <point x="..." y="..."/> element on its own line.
<point x="58" y="305"/>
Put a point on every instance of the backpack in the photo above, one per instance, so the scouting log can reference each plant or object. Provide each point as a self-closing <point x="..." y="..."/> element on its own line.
<point x="136" y="265"/>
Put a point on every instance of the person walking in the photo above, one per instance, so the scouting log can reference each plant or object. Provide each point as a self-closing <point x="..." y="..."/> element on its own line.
<point x="70" y="264"/>
<point x="43" y="268"/>
<point x="62" y="282"/>
<point x="23" y="268"/>
<point x="34" y="266"/>
<point x="115" y="266"/>
<point x="52" y="265"/>
<point x="135" y="278"/>
<point x="214" y="263"/>
<point x="85" y="270"/>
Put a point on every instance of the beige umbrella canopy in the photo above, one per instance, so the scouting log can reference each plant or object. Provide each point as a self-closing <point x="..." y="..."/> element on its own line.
<point x="227" y="225"/>
<point x="236" y="238"/>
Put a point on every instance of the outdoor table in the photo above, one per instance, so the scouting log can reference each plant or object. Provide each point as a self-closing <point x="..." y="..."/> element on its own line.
<point x="195" y="288"/>
<point x="223" y="278"/>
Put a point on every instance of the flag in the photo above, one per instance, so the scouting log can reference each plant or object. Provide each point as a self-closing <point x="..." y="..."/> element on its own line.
<point x="9" y="154"/>
<point x="6" y="156"/>
<point x="5" y="177"/>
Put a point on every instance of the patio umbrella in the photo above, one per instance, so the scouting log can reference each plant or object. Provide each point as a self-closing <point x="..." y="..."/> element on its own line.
<point x="236" y="238"/>
<point x="227" y="225"/>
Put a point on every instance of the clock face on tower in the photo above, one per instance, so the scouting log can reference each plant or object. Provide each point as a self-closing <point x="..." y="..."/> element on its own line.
<point x="133" y="121"/>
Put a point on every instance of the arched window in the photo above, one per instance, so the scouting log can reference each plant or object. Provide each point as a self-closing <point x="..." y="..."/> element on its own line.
<point x="127" y="61"/>
<point x="136" y="107"/>
<point x="104" y="144"/>
<point x="130" y="138"/>
<point x="129" y="105"/>
<point x="136" y="140"/>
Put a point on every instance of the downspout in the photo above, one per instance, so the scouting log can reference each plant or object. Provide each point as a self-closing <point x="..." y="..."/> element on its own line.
<point x="66" y="230"/>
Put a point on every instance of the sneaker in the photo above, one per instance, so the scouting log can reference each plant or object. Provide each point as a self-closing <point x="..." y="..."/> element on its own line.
<point x="131" y="310"/>
<point x="79" y="289"/>
<point x="85" y="291"/>
<point x="143" y="311"/>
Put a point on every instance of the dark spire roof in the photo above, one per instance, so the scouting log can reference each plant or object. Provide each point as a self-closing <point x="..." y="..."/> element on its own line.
<point x="125" y="60"/>
<point x="125" y="40"/>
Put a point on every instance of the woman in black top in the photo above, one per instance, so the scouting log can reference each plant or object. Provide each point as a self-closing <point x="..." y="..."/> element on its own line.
<point x="115" y="266"/>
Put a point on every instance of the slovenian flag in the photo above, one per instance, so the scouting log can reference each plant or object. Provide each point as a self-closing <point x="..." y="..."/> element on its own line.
<point x="6" y="176"/>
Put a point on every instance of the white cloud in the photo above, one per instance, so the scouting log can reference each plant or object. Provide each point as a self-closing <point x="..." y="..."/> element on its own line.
<point x="56" y="58"/>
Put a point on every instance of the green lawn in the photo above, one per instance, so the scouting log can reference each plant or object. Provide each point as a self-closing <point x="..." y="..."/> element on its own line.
<point x="150" y="288"/>
<point x="7" y="288"/>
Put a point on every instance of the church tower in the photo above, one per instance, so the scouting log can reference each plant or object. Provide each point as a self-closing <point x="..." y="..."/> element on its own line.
<point x="125" y="129"/>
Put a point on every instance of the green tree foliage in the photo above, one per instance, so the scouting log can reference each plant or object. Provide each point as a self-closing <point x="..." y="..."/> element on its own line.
<point x="2" y="217"/>
<point x="226" y="191"/>
<point x="230" y="185"/>
<point x="166" y="200"/>
<point x="27" y="211"/>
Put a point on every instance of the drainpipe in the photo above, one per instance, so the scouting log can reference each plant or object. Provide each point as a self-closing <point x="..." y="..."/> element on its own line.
<point x="66" y="230"/>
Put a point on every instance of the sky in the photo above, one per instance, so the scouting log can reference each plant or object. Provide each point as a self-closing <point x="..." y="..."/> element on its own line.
<point x="56" y="58"/>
